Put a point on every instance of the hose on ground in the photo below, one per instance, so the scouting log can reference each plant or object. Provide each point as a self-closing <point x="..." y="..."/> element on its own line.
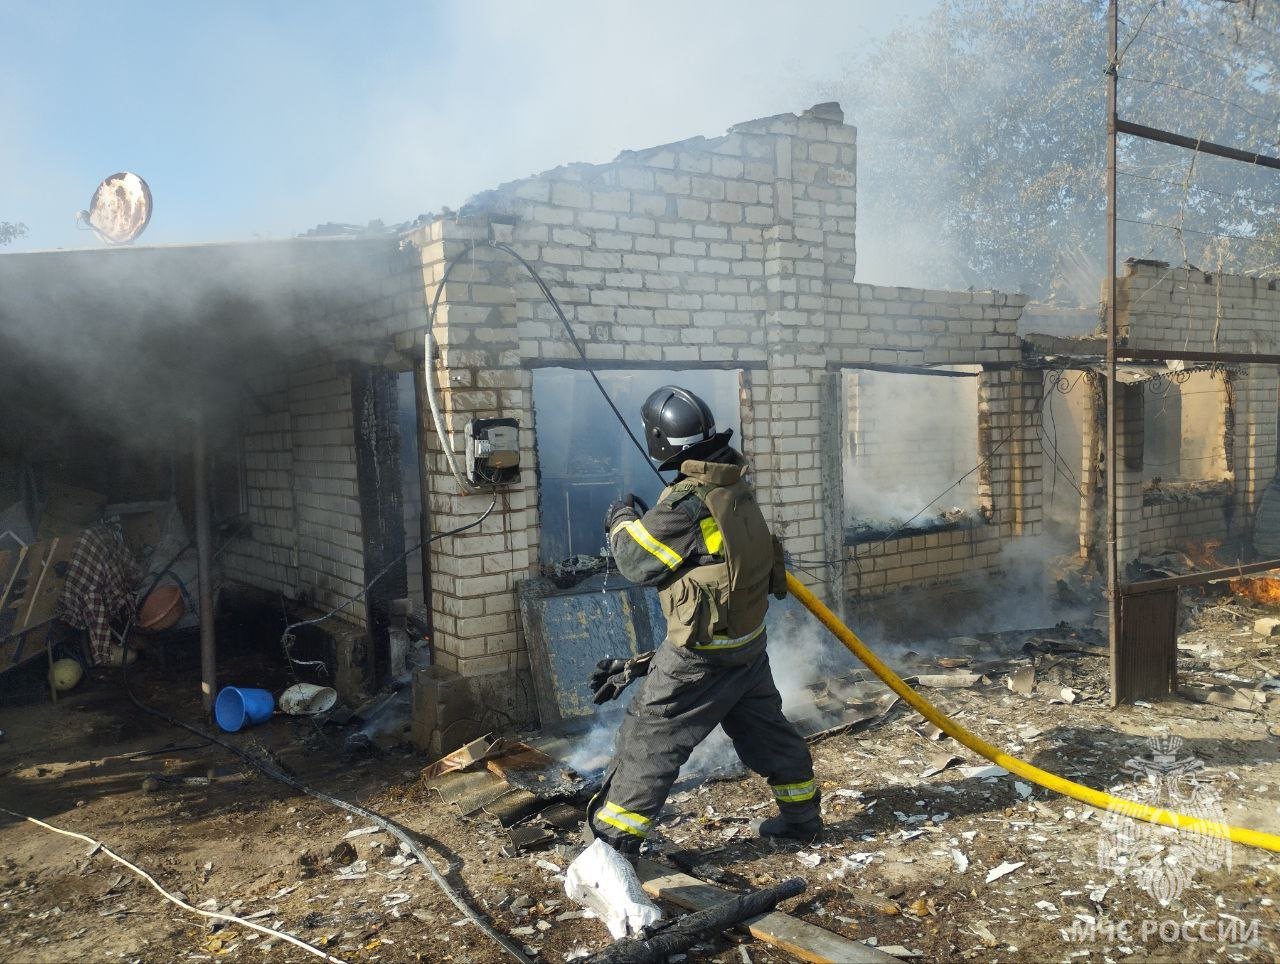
<point x="384" y="823"/>
<point x="1050" y="781"/>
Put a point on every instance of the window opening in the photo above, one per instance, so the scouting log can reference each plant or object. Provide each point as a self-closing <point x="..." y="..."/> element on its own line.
<point x="586" y="461"/>
<point x="908" y="441"/>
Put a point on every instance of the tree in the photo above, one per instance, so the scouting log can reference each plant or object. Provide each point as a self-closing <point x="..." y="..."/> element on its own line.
<point x="11" y="231"/>
<point x="982" y="140"/>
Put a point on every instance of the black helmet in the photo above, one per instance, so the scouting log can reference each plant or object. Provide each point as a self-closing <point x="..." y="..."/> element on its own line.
<point x="677" y="426"/>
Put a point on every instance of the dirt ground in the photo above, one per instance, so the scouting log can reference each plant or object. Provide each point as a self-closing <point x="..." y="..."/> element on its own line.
<point x="956" y="864"/>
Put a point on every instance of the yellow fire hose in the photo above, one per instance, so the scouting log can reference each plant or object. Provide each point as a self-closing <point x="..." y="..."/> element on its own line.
<point x="1095" y="798"/>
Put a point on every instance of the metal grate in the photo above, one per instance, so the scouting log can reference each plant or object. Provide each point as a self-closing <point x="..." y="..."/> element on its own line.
<point x="1144" y="665"/>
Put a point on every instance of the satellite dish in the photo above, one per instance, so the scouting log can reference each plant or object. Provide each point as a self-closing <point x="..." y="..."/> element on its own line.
<point x="120" y="209"/>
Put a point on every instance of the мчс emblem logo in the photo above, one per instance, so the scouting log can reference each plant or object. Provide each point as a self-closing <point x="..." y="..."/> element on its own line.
<point x="1162" y="860"/>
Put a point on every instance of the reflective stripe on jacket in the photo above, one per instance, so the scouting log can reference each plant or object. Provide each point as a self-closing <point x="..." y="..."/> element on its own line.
<point x="707" y="548"/>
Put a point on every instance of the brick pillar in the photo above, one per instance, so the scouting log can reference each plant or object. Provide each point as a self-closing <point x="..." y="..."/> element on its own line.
<point x="788" y="404"/>
<point x="998" y="443"/>
<point x="474" y="575"/>
<point x="1128" y="468"/>
<point x="1011" y="477"/>
<point x="1028" y="456"/>
<point x="1092" y="432"/>
<point x="1253" y="442"/>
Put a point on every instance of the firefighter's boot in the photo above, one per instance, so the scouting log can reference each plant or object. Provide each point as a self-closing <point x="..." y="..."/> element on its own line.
<point x="795" y="822"/>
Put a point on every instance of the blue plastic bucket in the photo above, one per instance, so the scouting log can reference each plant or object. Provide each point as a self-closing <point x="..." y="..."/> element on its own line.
<point x="237" y="707"/>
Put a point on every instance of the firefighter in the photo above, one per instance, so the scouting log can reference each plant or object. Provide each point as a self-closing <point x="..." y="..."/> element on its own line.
<point x="707" y="549"/>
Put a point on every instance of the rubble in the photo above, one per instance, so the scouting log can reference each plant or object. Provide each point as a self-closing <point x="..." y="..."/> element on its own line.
<point x="908" y="845"/>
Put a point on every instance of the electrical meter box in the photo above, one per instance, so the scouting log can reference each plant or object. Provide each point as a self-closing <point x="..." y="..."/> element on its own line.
<point x="493" y="451"/>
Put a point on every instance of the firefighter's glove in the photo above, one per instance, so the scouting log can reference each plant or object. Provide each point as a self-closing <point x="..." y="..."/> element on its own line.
<point x="612" y="676"/>
<point x="624" y="510"/>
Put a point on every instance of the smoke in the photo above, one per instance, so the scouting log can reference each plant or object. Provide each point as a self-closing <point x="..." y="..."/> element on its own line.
<point x="592" y="751"/>
<point x="1040" y="584"/>
<point x="981" y="144"/>
<point x="138" y="342"/>
<point x="801" y="654"/>
<point x="1036" y="582"/>
<point x="286" y="119"/>
<point x="909" y="438"/>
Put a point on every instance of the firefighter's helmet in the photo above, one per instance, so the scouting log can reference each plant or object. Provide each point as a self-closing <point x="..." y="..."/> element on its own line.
<point x="678" y="425"/>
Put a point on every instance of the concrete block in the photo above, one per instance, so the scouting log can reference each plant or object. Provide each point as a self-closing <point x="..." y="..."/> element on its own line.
<point x="444" y="711"/>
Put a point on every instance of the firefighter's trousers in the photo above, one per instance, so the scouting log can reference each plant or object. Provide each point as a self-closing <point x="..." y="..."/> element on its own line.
<point x="684" y="697"/>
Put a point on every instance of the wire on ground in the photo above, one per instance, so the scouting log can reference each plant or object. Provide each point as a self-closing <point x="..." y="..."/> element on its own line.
<point x="390" y="826"/>
<point x="173" y="898"/>
<point x="286" y="638"/>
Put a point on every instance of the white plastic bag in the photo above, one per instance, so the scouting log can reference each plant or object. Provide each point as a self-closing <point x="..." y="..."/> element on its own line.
<point x="602" y="880"/>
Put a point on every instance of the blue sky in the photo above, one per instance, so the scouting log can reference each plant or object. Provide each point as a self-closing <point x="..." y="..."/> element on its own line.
<point x="265" y="119"/>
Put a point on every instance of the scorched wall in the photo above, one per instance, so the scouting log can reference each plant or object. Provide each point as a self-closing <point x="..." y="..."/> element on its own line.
<point x="1161" y="307"/>
<point x="734" y="252"/>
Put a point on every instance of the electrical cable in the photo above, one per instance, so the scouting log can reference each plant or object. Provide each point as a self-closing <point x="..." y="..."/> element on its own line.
<point x="173" y="898"/>
<point x="433" y="401"/>
<point x="1250" y="205"/>
<point x="390" y="826"/>
<point x="1119" y="57"/>
<point x="430" y="350"/>
<point x="287" y="637"/>
<point x="1178" y="228"/>
<point x="568" y="328"/>
<point x="1238" y="65"/>
<point x="1200" y="93"/>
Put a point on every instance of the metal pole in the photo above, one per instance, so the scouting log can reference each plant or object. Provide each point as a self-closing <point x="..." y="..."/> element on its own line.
<point x="204" y="560"/>
<point x="1197" y="145"/>
<point x="1113" y="556"/>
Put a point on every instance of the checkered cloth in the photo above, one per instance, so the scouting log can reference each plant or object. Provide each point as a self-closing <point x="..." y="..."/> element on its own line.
<point x="99" y="586"/>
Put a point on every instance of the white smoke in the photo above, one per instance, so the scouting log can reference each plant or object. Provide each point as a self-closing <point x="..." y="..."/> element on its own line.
<point x="801" y="654"/>
<point x="292" y="117"/>
<point x="909" y="438"/>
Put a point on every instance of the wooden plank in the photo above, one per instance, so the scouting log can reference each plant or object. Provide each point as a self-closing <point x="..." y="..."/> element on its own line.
<point x="1200" y="578"/>
<point x="44" y="598"/>
<point x="23" y="645"/>
<point x="12" y="575"/>
<point x="802" y="940"/>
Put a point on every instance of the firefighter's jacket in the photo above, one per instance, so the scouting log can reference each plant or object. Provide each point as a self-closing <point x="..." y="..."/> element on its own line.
<point x="706" y="547"/>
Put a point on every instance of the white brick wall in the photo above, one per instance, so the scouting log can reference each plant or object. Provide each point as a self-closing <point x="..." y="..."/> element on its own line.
<point x="922" y="560"/>
<point x="1186" y="309"/>
<point x="267" y="556"/>
<point x="330" y="550"/>
<point x="734" y="252"/>
<point x="305" y="533"/>
<point x="1176" y="520"/>
<point x="304" y="510"/>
